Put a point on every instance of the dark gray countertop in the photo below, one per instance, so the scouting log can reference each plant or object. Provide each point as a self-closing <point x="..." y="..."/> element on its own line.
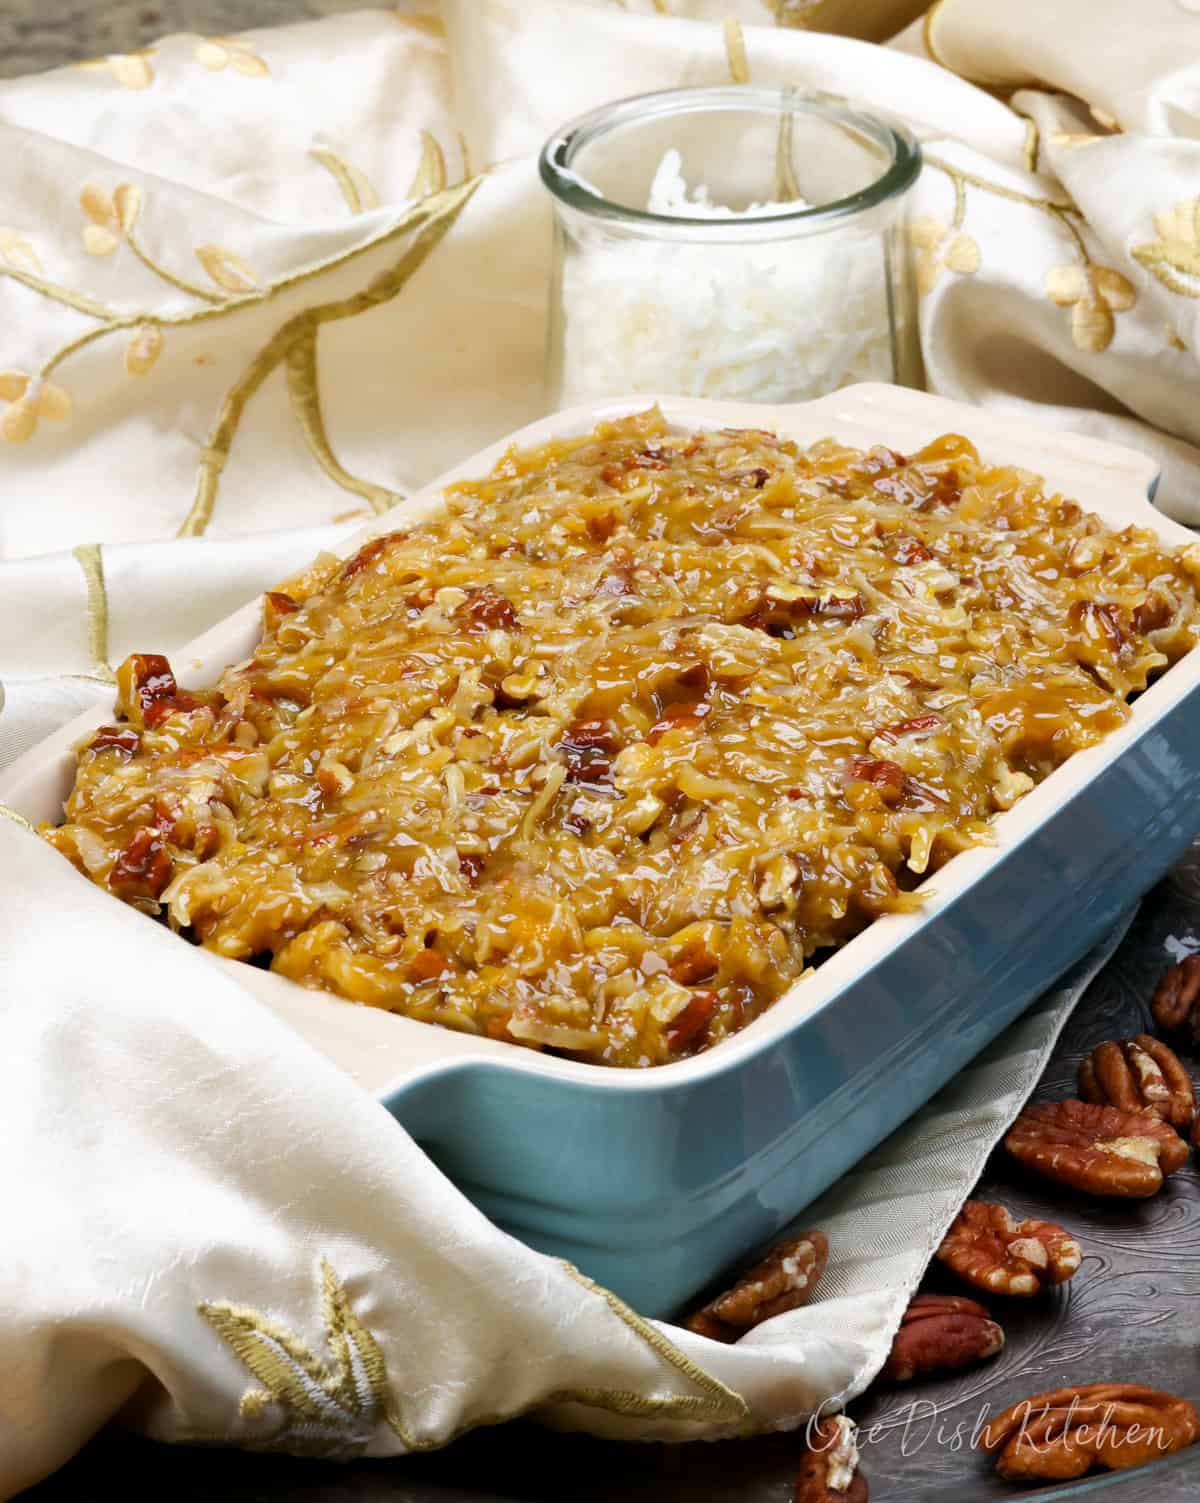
<point x="1132" y="1314"/>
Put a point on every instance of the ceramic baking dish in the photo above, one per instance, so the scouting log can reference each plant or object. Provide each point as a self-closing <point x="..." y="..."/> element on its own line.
<point x="651" y="1181"/>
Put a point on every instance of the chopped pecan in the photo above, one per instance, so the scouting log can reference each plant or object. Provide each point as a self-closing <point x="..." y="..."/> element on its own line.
<point x="691" y="958"/>
<point x="115" y="738"/>
<point x="1140" y="1074"/>
<point x="988" y="1248"/>
<point x="1100" y="630"/>
<point x="143" y="679"/>
<point x="426" y="965"/>
<point x="1152" y="614"/>
<point x="941" y="1333"/>
<point x="1176" y="1004"/>
<point x="911" y="727"/>
<point x="783" y="1280"/>
<point x="366" y="555"/>
<point x="484" y="609"/>
<point x="589" y="748"/>
<point x="1065" y="1432"/>
<point x="688" y="1025"/>
<point x="470" y="866"/>
<point x="910" y="550"/>
<point x="829" y="1471"/>
<point x="1098" y="1149"/>
<point x="888" y="777"/>
<point x="783" y="607"/>
<point x="277" y="605"/>
<point x="678" y="717"/>
<point x="143" y="867"/>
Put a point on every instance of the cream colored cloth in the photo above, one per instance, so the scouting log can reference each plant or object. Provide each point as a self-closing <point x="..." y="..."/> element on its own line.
<point x="251" y="290"/>
<point x="212" y="1227"/>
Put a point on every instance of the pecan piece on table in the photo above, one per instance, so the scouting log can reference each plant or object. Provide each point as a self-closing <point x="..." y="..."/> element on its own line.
<point x="1140" y="1074"/>
<point x="1065" y="1432"/>
<point x="940" y="1333"/>
<point x="1099" y="1149"/>
<point x="829" y="1472"/>
<point x="1176" y="1002"/>
<point x="989" y="1249"/>
<point x="783" y="1280"/>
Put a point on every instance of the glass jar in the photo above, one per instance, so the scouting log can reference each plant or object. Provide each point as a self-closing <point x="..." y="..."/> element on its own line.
<point x="733" y="242"/>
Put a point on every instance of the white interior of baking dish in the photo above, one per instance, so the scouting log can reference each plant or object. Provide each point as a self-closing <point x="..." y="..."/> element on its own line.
<point x="382" y="1050"/>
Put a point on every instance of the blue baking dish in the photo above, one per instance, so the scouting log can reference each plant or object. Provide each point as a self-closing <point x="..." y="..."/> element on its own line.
<point x="651" y="1181"/>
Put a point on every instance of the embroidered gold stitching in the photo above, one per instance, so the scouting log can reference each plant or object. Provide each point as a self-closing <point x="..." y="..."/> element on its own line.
<point x="17" y="819"/>
<point x="304" y="388"/>
<point x="334" y="1410"/>
<point x="1094" y="293"/>
<point x="355" y="186"/>
<point x="91" y="561"/>
<point x="735" y="52"/>
<point x="1174" y="258"/>
<point x="325" y="1410"/>
<point x="430" y="176"/>
<point x="1032" y="144"/>
<point x="718" y="1403"/>
<point x="435" y="215"/>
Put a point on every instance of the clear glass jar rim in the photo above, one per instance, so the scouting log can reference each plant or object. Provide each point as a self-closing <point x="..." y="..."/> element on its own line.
<point x="558" y="153"/>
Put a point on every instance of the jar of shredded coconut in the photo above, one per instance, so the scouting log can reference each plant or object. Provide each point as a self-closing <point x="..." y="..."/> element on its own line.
<point x="730" y="242"/>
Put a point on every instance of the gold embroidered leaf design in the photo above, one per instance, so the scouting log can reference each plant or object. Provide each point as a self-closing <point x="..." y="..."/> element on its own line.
<point x="1073" y="140"/>
<point x="219" y="53"/>
<point x="431" y="173"/>
<point x="18" y="422"/>
<point x="1094" y="294"/>
<point x="29" y="400"/>
<point x="430" y="26"/>
<point x="1174" y="258"/>
<point x="940" y="245"/>
<point x="16" y="251"/>
<point x="227" y="268"/>
<point x="131" y="70"/>
<point x="53" y="402"/>
<point x="357" y="189"/>
<point x="325" y="1408"/>
<point x="144" y="348"/>
<point x="110" y="216"/>
<point x="127" y="204"/>
<point x="735" y="52"/>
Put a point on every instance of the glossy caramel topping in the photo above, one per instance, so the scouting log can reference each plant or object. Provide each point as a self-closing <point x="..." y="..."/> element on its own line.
<point x="599" y="758"/>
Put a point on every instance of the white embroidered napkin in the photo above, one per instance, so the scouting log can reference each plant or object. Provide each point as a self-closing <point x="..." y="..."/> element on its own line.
<point x="216" y="1230"/>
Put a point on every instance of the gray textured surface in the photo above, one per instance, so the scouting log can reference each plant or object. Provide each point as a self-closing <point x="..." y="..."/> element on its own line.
<point x="40" y="34"/>
<point x="1131" y="1315"/>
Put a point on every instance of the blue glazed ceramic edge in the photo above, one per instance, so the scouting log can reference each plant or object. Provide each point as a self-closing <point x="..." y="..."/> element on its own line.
<point x="653" y="1192"/>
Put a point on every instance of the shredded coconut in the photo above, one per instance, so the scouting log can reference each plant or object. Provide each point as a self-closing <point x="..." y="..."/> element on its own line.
<point x="773" y="320"/>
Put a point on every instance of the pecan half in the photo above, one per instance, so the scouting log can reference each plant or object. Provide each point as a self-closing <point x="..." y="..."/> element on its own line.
<point x="940" y="1333"/>
<point x="1064" y="1433"/>
<point x="829" y="1472"/>
<point x="989" y="1249"/>
<point x="1099" y="1149"/>
<point x="1140" y="1074"/>
<point x="1176" y="1003"/>
<point x="783" y="1280"/>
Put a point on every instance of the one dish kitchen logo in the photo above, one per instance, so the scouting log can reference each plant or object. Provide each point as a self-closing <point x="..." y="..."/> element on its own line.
<point x="1032" y="1429"/>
